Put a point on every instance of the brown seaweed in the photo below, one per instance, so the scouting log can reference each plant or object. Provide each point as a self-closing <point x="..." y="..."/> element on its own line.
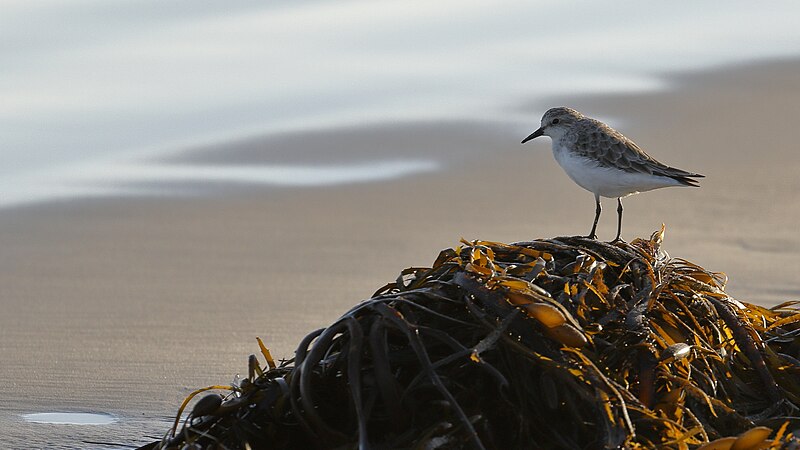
<point x="553" y="343"/>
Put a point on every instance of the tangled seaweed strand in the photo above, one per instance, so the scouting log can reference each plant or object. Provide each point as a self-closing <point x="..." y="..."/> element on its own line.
<point x="556" y="343"/>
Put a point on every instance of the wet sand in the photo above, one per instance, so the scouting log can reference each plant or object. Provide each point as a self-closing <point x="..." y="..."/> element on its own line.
<point x="125" y="305"/>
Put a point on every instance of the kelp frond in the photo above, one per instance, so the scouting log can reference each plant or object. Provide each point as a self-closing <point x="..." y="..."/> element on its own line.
<point x="553" y="343"/>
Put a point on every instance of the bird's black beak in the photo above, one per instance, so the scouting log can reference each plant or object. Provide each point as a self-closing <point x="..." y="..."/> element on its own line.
<point x="534" y="135"/>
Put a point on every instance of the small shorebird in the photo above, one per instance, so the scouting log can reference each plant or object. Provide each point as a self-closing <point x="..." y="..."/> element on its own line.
<point x="603" y="161"/>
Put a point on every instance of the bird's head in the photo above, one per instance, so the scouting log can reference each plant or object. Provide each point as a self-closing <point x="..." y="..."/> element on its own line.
<point x="555" y="123"/>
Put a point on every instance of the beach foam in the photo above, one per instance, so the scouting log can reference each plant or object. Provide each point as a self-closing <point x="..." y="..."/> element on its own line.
<point x="70" y="418"/>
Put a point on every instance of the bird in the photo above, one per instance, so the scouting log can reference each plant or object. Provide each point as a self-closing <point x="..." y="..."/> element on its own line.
<point x="603" y="161"/>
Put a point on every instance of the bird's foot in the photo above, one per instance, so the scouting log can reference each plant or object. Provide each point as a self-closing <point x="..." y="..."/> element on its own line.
<point x="592" y="236"/>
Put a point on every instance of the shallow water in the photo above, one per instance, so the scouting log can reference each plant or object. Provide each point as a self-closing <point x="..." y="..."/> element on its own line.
<point x="80" y="431"/>
<point x="154" y="178"/>
<point x="94" y="81"/>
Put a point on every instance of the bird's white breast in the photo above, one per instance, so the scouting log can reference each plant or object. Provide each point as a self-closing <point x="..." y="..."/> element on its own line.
<point x="606" y="181"/>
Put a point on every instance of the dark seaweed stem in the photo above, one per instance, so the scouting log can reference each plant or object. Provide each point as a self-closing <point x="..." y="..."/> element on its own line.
<point x="558" y="343"/>
<point x="412" y="334"/>
<point x="742" y="337"/>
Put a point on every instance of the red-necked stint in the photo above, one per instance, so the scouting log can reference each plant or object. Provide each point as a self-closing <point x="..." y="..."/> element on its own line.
<point x="603" y="161"/>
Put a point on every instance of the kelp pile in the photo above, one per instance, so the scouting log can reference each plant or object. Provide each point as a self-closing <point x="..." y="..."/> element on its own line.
<point x="556" y="343"/>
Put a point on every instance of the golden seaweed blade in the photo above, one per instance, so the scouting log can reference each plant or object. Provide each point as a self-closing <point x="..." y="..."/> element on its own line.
<point x="554" y="343"/>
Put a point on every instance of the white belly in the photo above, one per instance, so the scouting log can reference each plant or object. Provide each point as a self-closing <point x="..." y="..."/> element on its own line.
<point x="606" y="181"/>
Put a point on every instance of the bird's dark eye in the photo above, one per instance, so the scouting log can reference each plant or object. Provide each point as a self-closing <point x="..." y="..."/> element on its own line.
<point x="555" y="121"/>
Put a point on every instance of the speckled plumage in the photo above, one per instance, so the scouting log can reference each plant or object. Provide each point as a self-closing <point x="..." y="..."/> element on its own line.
<point x="593" y="139"/>
<point x="603" y="161"/>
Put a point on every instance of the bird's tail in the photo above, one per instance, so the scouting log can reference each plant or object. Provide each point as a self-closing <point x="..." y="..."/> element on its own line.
<point x="687" y="181"/>
<point x="683" y="177"/>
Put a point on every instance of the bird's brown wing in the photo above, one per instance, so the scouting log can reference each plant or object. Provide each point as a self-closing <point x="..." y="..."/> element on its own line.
<point x="596" y="140"/>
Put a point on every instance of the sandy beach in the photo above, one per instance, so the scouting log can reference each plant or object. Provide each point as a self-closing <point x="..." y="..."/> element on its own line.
<point x="125" y="305"/>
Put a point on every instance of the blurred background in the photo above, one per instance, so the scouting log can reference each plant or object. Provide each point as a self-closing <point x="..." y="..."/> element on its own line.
<point x="87" y="85"/>
<point x="180" y="177"/>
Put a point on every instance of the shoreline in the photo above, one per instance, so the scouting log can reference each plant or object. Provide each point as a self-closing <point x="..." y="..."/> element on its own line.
<point x="124" y="305"/>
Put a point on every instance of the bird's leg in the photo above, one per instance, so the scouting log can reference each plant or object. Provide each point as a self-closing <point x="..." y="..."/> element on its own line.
<point x="597" y="210"/>
<point x="619" y="220"/>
